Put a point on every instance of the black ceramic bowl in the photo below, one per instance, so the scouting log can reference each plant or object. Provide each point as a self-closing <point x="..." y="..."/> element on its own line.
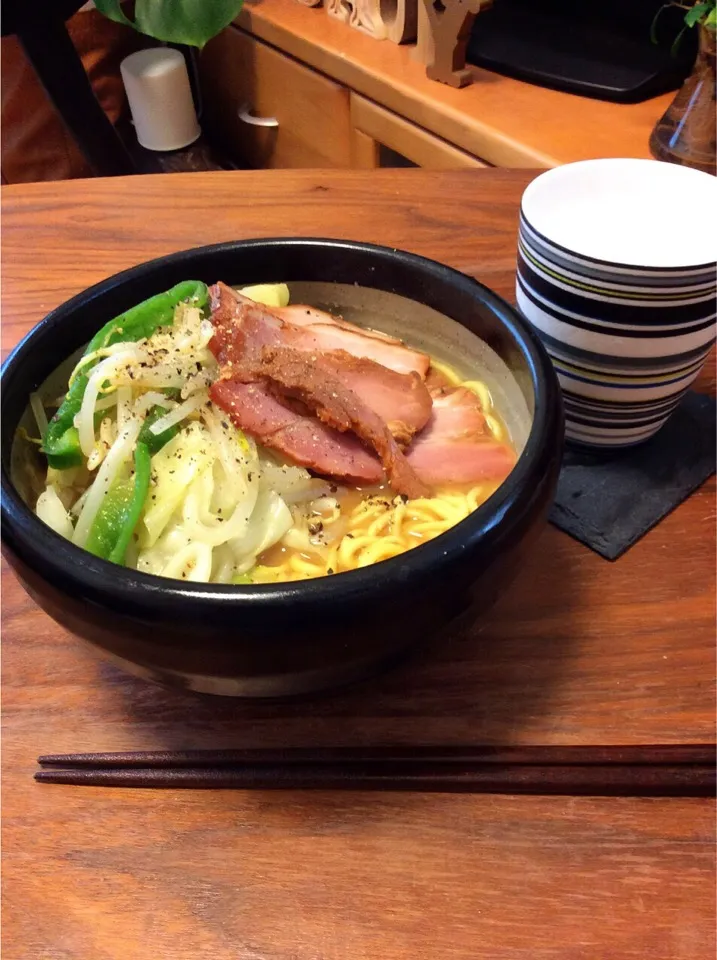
<point x="294" y="638"/>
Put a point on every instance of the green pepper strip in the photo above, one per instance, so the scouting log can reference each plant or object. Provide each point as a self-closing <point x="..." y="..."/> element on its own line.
<point x="61" y="443"/>
<point x="155" y="441"/>
<point x="242" y="578"/>
<point x="112" y="528"/>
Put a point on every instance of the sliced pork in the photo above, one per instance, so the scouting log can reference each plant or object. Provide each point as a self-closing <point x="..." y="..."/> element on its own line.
<point x="294" y="375"/>
<point x="400" y="399"/>
<point x="340" y="401"/>
<point x="457" y="447"/>
<point x="304" y="316"/>
<point x="241" y="325"/>
<point x="302" y="438"/>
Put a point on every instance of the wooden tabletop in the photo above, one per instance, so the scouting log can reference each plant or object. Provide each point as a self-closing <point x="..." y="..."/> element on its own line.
<point x="579" y="651"/>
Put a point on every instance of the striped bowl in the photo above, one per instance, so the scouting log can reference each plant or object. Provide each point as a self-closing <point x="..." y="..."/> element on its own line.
<point x="616" y="272"/>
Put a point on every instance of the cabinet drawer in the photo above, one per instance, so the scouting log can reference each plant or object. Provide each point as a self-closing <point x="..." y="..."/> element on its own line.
<point x="375" y="125"/>
<point x="239" y="72"/>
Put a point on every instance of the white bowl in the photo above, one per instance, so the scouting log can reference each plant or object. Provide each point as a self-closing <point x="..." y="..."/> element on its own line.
<point x="630" y="212"/>
<point x="616" y="274"/>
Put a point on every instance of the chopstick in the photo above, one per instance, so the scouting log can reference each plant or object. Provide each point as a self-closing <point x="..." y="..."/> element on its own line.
<point x="665" y="770"/>
<point x="674" y="754"/>
<point x="644" y="781"/>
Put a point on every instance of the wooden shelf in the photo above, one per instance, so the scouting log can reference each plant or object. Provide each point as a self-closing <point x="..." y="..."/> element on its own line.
<point x="501" y="121"/>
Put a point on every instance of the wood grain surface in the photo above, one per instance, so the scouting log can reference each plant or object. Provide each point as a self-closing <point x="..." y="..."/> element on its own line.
<point x="579" y="650"/>
<point x="497" y="119"/>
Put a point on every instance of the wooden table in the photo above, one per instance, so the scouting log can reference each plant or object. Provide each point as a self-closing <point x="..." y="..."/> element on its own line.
<point x="579" y="651"/>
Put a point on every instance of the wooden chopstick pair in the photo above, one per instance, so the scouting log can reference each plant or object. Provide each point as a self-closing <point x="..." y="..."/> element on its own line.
<point x="660" y="770"/>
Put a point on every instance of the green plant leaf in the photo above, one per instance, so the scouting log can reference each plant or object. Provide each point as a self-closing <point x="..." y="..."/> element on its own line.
<point x="191" y="22"/>
<point x="674" y="49"/>
<point x="699" y="10"/>
<point x="113" y="11"/>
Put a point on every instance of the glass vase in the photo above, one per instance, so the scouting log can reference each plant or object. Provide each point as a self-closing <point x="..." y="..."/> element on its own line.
<point x="686" y="132"/>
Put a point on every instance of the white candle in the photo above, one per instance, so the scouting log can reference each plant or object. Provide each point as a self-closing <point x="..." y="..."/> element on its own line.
<point x="160" y="98"/>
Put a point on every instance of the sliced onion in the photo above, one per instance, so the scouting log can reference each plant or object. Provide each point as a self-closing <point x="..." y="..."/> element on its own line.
<point x="106" y="402"/>
<point x="118" y="454"/>
<point x="51" y="510"/>
<point x="124" y="406"/>
<point x="179" y="413"/>
<point x="193" y="562"/>
<point x="77" y="506"/>
<point x="101" y="354"/>
<point x="238" y="457"/>
<point x="85" y="419"/>
<point x="269" y="522"/>
<point x="38" y="411"/>
<point x="293" y="484"/>
<point x="215" y="530"/>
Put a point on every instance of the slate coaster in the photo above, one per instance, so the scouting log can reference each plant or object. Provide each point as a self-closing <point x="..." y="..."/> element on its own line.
<point x="609" y="500"/>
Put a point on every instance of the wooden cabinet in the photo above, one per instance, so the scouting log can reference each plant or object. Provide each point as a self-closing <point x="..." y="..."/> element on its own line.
<point x="380" y="136"/>
<point x="246" y="83"/>
<point x="268" y="110"/>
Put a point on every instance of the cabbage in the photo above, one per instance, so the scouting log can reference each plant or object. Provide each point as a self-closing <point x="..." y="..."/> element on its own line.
<point x="51" y="510"/>
<point x="270" y="294"/>
<point x="174" y="468"/>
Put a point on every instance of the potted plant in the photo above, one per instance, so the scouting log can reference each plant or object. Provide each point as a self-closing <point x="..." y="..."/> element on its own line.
<point x="164" y="106"/>
<point x="189" y="22"/>
<point x="686" y="132"/>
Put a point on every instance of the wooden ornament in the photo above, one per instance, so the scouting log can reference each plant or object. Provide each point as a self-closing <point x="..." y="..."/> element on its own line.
<point x="311" y="3"/>
<point x="424" y="51"/>
<point x="400" y="18"/>
<point x="446" y="27"/>
<point x="367" y="18"/>
<point x="381" y="19"/>
<point x="364" y="15"/>
<point x="340" y="9"/>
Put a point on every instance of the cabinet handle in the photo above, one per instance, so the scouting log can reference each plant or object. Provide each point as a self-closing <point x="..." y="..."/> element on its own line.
<point x="246" y="116"/>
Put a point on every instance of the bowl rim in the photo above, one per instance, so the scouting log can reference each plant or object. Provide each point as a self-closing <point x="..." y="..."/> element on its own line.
<point x="545" y="180"/>
<point x="118" y="585"/>
<point x="616" y="267"/>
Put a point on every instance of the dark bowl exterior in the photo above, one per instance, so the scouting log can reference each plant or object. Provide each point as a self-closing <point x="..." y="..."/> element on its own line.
<point x="285" y="639"/>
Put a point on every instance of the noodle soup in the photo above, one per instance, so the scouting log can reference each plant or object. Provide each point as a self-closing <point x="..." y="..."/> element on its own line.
<point x="231" y="436"/>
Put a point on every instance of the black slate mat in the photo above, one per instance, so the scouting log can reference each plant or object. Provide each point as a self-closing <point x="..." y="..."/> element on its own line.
<point x="609" y="500"/>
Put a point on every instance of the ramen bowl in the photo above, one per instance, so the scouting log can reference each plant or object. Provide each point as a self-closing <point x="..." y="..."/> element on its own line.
<point x="287" y="639"/>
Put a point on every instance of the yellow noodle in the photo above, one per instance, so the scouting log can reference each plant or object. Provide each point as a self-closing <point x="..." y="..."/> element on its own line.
<point x="302" y="564"/>
<point x="495" y="428"/>
<point x="350" y="549"/>
<point x="332" y="559"/>
<point x="380" y="525"/>
<point x="449" y="374"/>
<point x="482" y="392"/>
<point x="380" y="528"/>
<point x="381" y="549"/>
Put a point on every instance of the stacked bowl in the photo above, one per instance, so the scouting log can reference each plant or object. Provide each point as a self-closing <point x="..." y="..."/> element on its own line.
<point x="616" y="272"/>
